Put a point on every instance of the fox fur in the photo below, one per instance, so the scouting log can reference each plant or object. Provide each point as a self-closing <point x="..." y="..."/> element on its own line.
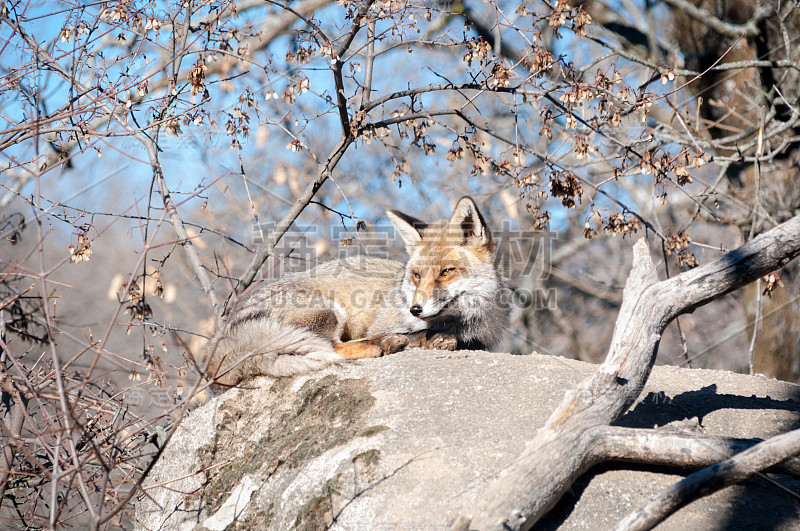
<point x="449" y="294"/>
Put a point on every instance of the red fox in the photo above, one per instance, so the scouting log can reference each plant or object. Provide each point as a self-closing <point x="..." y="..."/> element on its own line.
<point x="448" y="295"/>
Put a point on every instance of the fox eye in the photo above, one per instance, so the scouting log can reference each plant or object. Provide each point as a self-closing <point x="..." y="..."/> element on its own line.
<point x="415" y="275"/>
<point x="447" y="272"/>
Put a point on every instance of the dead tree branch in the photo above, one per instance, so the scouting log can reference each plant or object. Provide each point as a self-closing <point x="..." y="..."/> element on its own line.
<point x="685" y="450"/>
<point x="273" y="26"/>
<point x="709" y="480"/>
<point x="562" y="449"/>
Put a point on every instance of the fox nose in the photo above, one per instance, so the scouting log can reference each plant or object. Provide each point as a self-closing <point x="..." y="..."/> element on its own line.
<point x="416" y="310"/>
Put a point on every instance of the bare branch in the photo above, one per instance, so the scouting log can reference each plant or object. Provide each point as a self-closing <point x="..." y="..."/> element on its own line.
<point x="709" y="480"/>
<point x="337" y="64"/>
<point x="532" y="485"/>
<point x="14" y="429"/>
<point x="370" y="60"/>
<point x="685" y="450"/>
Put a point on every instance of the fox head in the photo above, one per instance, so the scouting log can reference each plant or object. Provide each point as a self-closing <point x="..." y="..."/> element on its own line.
<point x="451" y="269"/>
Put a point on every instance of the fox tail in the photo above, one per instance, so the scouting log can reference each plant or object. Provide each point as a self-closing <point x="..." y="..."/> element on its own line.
<point x="264" y="347"/>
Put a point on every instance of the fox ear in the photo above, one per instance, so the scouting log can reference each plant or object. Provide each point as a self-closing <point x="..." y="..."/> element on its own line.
<point x="468" y="224"/>
<point x="409" y="228"/>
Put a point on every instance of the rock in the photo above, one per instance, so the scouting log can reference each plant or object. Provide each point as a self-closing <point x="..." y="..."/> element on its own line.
<point x="411" y="440"/>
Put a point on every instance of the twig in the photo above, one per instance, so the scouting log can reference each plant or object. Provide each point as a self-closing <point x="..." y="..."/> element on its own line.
<point x="682" y="338"/>
<point x="757" y="204"/>
<point x="756" y="326"/>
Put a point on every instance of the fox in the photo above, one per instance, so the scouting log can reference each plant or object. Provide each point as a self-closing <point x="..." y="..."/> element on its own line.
<point x="448" y="295"/>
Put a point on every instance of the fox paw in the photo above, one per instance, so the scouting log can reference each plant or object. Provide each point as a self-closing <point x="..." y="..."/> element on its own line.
<point x="442" y="342"/>
<point x="391" y="343"/>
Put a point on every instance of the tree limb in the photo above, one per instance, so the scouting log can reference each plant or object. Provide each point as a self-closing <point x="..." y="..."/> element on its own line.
<point x="273" y="26"/>
<point x="678" y="449"/>
<point x="562" y="449"/>
<point x="709" y="480"/>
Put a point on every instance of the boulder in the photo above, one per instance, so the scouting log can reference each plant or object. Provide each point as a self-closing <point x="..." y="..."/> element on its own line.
<point x="412" y="440"/>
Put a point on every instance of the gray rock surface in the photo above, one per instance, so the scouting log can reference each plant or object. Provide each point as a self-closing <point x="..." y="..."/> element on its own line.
<point x="411" y="440"/>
